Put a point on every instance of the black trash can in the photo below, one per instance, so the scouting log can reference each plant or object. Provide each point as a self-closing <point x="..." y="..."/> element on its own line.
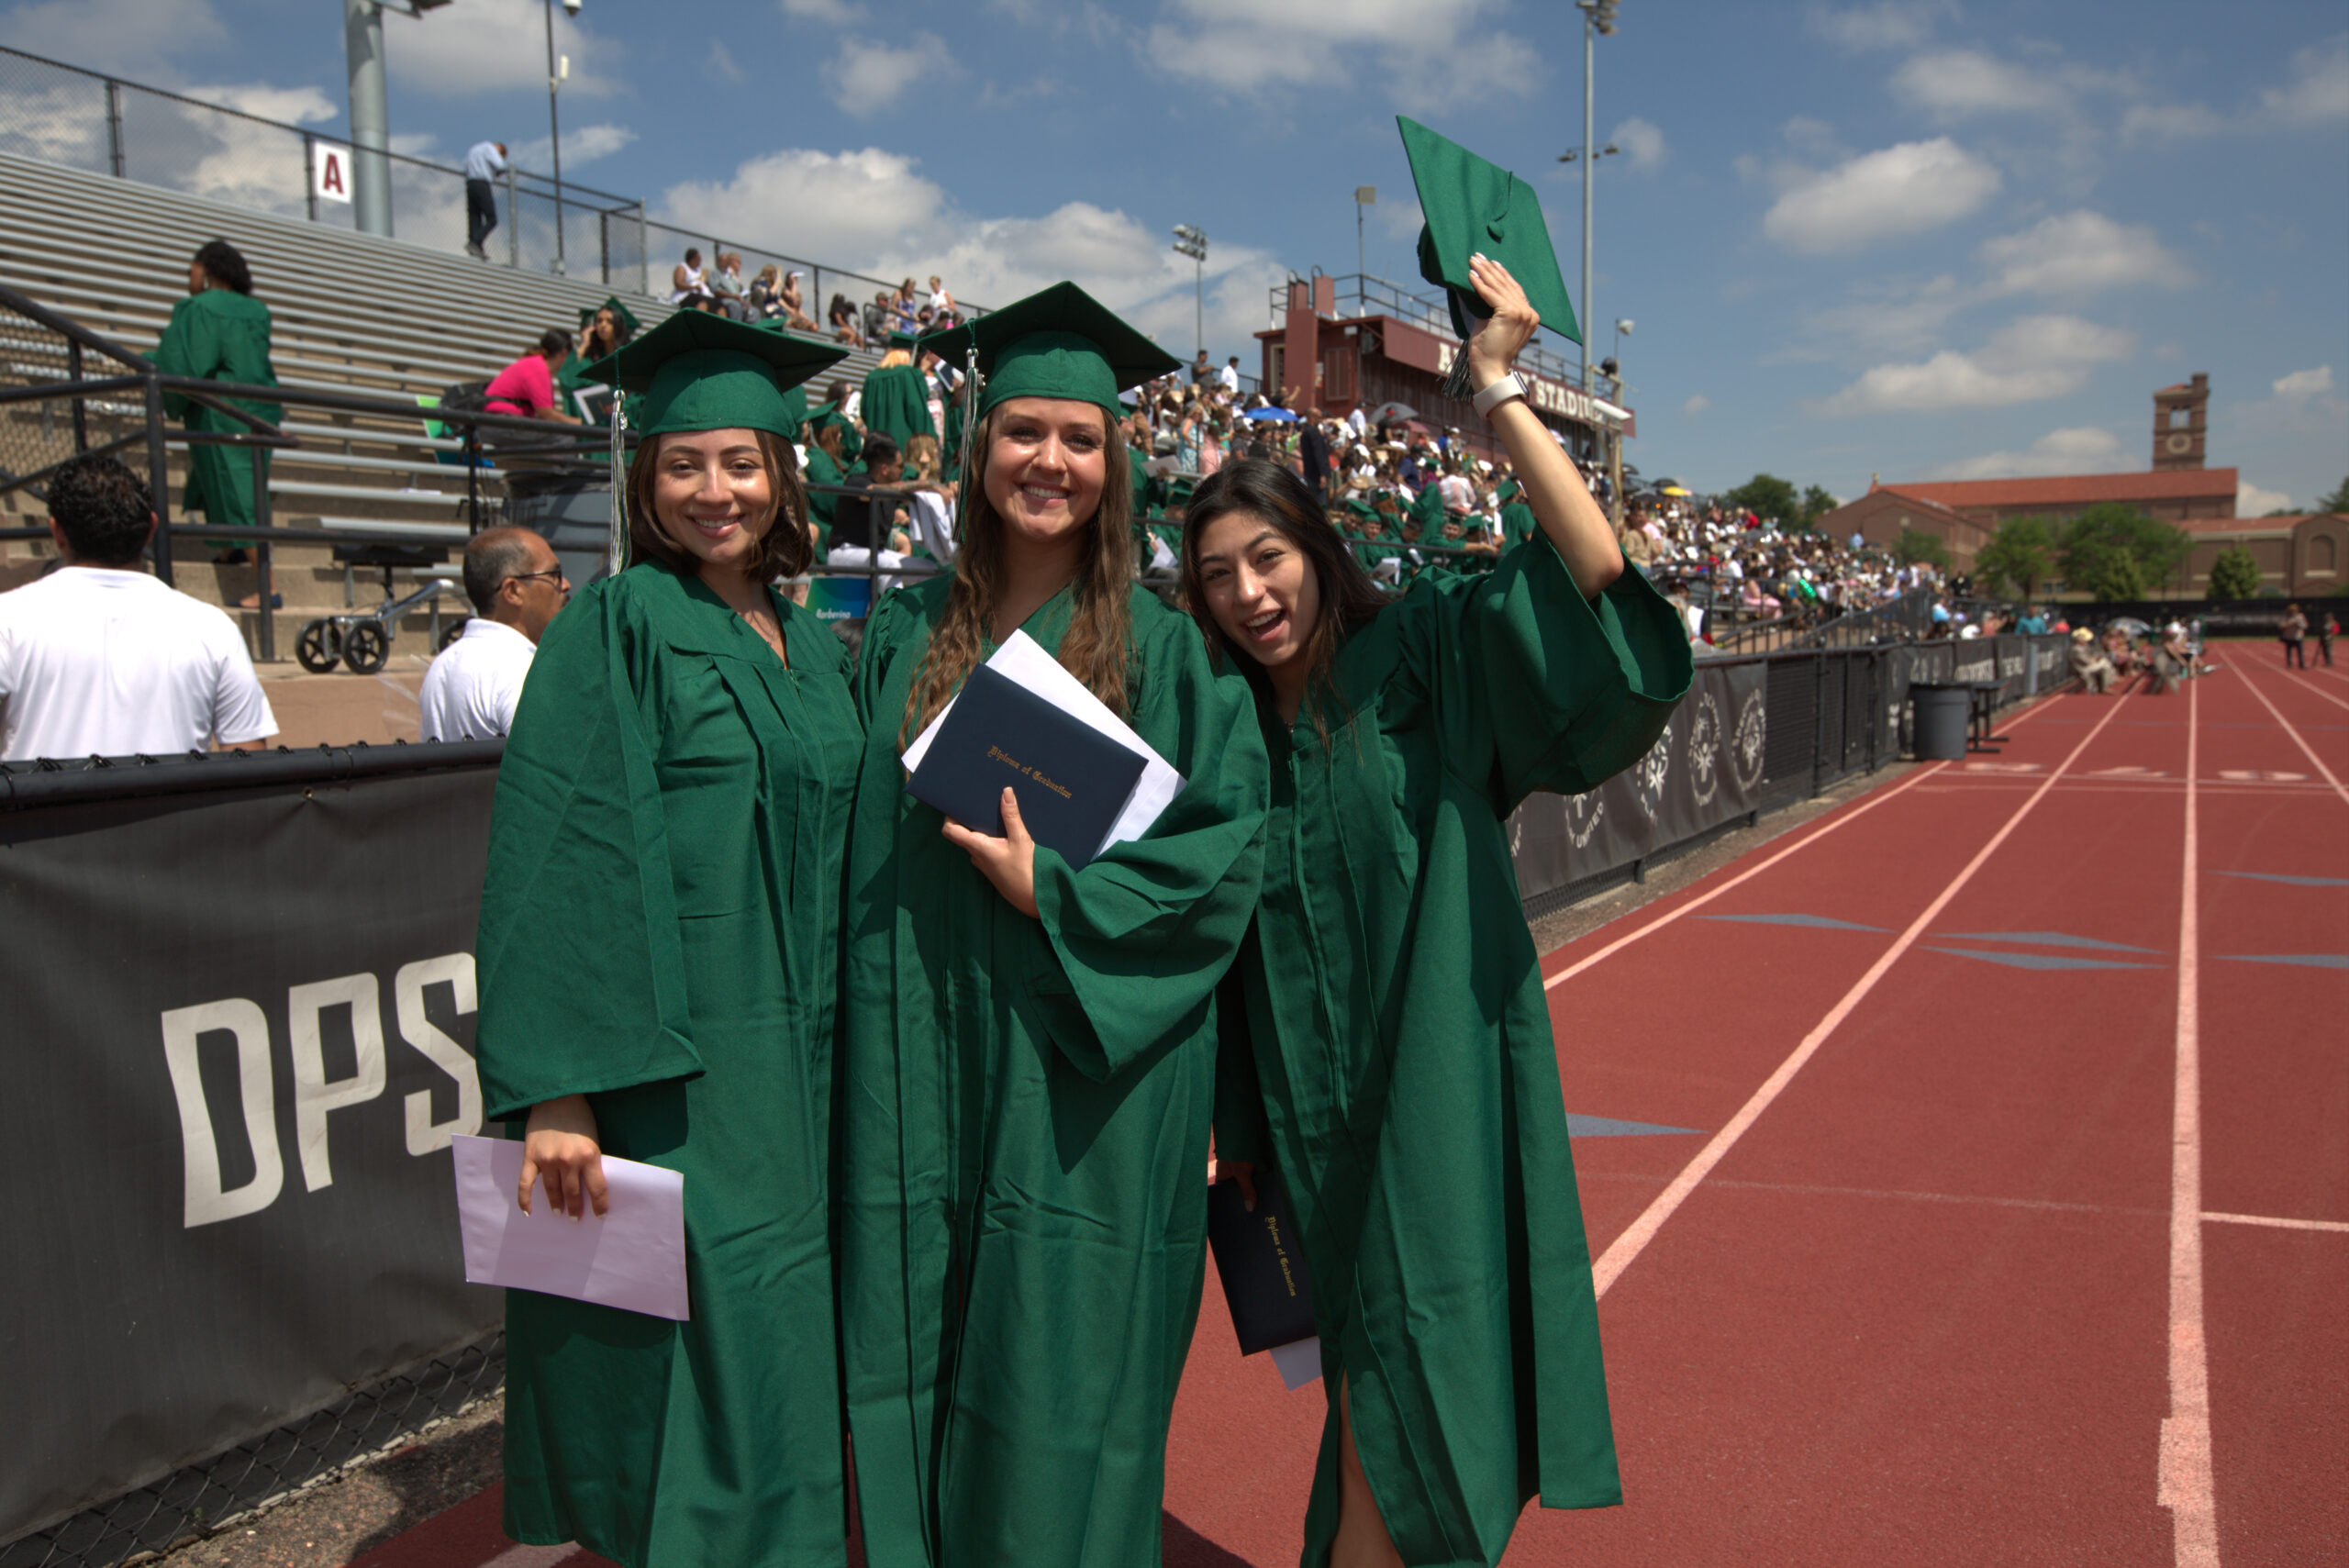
<point x="1942" y="714"/>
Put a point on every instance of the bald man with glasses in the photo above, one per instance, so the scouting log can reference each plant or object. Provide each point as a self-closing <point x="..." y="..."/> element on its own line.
<point x="516" y="586"/>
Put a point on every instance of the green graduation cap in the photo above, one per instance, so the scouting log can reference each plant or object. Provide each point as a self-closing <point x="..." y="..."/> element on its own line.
<point x="1061" y="342"/>
<point x="901" y="339"/>
<point x="1473" y="207"/>
<point x="630" y="325"/>
<point x="699" y="371"/>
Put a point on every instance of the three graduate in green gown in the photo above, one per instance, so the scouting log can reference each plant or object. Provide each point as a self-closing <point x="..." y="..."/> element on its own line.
<point x="659" y="959"/>
<point x="1392" y="1055"/>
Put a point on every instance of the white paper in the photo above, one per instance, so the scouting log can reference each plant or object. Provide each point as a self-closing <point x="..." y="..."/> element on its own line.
<point x="1299" y="1361"/>
<point x="1024" y="661"/>
<point x="633" y="1257"/>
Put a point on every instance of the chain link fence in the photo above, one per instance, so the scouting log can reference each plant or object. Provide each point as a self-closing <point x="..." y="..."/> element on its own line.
<point x="200" y="1499"/>
<point x="39" y="433"/>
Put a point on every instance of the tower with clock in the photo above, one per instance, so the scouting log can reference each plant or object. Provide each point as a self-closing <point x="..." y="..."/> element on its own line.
<point x="2179" y="414"/>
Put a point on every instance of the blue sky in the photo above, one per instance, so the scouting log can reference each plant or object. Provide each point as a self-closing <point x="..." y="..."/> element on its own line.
<point x="1920" y="239"/>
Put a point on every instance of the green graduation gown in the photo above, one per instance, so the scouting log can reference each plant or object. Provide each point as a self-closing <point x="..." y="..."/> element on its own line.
<point x="1397" y="1025"/>
<point x="220" y="335"/>
<point x="1026" y="1107"/>
<point x="822" y="470"/>
<point x="659" y="933"/>
<point x="897" y="403"/>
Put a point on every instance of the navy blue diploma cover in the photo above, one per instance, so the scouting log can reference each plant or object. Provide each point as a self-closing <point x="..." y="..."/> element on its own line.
<point x="1261" y="1264"/>
<point x="1072" y="779"/>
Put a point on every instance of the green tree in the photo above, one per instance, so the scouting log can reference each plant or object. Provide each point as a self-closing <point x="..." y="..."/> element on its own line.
<point x="1915" y="545"/>
<point x="1816" y="504"/>
<point x="2114" y="552"/>
<point x="1767" y="496"/>
<point x="2235" y="574"/>
<point x="2020" y="555"/>
<point x="2336" y="502"/>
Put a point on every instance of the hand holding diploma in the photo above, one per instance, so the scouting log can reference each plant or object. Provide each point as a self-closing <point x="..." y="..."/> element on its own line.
<point x="1009" y="861"/>
<point x="560" y="1147"/>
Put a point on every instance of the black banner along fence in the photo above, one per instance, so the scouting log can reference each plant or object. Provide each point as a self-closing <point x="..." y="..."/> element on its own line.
<point x="239" y="1022"/>
<point x="239" y="1027"/>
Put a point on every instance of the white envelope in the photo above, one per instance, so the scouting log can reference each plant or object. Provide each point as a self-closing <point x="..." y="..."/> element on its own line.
<point x="633" y="1257"/>
<point x="1023" y="659"/>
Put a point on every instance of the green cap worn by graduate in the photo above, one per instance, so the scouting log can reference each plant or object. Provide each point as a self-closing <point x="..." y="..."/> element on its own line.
<point x="659" y="934"/>
<point x="1059" y="342"/>
<point x="1475" y="207"/>
<point x="699" y="371"/>
<point x="1074" y="1046"/>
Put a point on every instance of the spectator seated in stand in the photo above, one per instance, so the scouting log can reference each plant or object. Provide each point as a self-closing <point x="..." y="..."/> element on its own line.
<point x="689" y="283"/>
<point x="841" y="319"/>
<point x="942" y="307"/>
<point x="525" y="390"/>
<point x="516" y="586"/>
<point x="2089" y="662"/>
<point x="99" y="659"/>
<point x="728" y="288"/>
<point x="858" y="521"/>
<point x="792" y="304"/>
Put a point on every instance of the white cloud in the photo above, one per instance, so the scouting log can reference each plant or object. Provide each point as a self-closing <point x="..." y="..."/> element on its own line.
<point x="1430" y="51"/>
<point x="1885" y="319"/>
<point x="2251" y="501"/>
<point x="2078" y="253"/>
<point x="868" y="76"/>
<point x="1696" y="405"/>
<point x="2081" y="450"/>
<point x="1889" y="24"/>
<point x="2170" y="122"/>
<point x="581" y="145"/>
<point x="2027" y="361"/>
<point x="2318" y="90"/>
<point x="1959" y="83"/>
<point x="836" y="12"/>
<point x="1643" y="143"/>
<point x="1891" y="194"/>
<point x="2305" y="383"/>
<point x="720" y="63"/>
<point x="136" y="37"/>
<point x="491" y="46"/>
<point x="291" y="105"/>
<point x="874" y="211"/>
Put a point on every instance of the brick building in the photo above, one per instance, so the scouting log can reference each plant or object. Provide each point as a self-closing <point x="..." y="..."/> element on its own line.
<point x="2301" y="556"/>
<point x="1395" y="348"/>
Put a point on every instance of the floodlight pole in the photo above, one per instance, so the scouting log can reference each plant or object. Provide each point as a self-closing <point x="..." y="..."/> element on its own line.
<point x="554" y="134"/>
<point x="1364" y="196"/>
<point x="1589" y="9"/>
<point x="1192" y="242"/>
<point x="371" y="126"/>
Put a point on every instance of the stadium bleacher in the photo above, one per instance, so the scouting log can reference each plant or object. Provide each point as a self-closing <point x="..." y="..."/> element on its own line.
<point x="354" y="313"/>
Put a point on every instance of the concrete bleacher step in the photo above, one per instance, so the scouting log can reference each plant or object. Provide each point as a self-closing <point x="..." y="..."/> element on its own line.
<point x="351" y="312"/>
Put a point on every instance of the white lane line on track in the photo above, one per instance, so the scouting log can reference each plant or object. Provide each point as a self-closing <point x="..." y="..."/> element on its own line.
<point x="2298" y="740"/>
<point x="2302" y="680"/>
<point x="2183" y="1480"/>
<point x="2279" y="1221"/>
<point x="1628" y="1246"/>
<point x="1835" y="820"/>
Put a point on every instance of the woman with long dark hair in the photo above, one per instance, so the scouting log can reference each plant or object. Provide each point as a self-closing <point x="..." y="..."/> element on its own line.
<point x="221" y="332"/>
<point x="1029" y="1051"/>
<point x="1394" y="1059"/>
<point x="659" y="964"/>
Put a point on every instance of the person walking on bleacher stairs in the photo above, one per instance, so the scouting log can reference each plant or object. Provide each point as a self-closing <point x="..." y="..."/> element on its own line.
<point x="221" y="332"/>
<point x="896" y="397"/>
<point x="485" y="160"/>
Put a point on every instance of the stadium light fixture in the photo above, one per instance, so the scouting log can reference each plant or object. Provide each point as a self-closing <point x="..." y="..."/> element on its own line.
<point x="1192" y="242"/>
<point x="1364" y="196"/>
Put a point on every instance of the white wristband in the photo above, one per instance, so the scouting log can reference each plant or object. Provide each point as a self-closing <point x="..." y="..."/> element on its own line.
<point x="1500" y="391"/>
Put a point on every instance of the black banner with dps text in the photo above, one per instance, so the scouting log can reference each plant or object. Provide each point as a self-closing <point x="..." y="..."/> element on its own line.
<point x="239" y="1019"/>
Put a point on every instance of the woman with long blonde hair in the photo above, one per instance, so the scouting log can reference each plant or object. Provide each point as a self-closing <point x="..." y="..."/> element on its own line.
<point x="1028" y="1050"/>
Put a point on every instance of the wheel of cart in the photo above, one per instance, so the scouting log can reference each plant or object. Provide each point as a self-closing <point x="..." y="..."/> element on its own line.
<point x="365" y="646"/>
<point x="319" y="648"/>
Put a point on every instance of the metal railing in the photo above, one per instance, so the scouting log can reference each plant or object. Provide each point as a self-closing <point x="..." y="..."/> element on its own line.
<point x="90" y="121"/>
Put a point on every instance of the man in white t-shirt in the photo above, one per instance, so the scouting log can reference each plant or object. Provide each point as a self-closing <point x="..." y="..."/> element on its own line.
<point x="98" y="659"/>
<point x="515" y="585"/>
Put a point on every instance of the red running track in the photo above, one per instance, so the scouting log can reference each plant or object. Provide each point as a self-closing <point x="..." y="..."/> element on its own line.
<point x="2011" y="1221"/>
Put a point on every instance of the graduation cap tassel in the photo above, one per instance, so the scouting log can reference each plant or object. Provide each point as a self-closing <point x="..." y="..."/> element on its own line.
<point x="1455" y="383"/>
<point x="970" y="424"/>
<point x="616" y="553"/>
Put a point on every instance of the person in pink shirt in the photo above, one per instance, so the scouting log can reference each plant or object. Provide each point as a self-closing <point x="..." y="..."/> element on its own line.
<point x="525" y="388"/>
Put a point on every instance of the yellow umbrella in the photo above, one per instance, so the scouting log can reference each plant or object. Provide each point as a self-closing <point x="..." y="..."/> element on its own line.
<point x="1672" y="490"/>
